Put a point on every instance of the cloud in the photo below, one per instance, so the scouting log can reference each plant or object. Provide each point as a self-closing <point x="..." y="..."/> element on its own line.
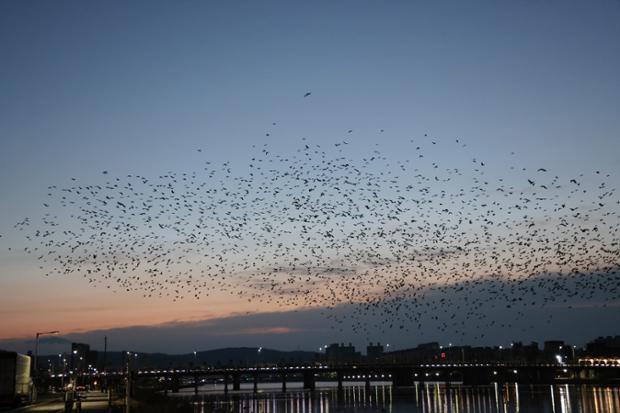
<point x="262" y="330"/>
<point x="307" y="329"/>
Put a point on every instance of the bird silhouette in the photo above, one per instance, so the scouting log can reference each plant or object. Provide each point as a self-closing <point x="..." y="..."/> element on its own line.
<point x="402" y="243"/>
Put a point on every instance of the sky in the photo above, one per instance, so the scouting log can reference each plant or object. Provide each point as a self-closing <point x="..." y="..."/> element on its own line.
<point x="136" y="88"/>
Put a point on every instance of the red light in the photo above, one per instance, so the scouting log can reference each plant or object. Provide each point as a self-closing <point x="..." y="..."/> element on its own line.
<point x="443" y="355"/>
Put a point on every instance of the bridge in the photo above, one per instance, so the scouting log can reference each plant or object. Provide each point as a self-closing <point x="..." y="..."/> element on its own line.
<point x="399" y="375"/>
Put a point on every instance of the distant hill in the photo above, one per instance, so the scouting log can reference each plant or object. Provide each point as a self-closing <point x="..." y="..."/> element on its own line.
<point x="240" y="356"/>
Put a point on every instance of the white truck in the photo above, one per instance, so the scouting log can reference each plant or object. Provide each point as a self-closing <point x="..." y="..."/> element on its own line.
<point x="16" y="385"/>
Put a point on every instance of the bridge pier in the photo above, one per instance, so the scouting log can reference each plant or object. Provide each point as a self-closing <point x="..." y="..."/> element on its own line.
<point x="586" y="374"/>
<point x="542" y="376"/>
<point x="196" y="384"/>
<point x="402" y="378"/>
<point x="283" y="382"/>
<point x="309" y="383"/>
<point x="176" y="384"/>
<point x="367" y="382"/>
<point x="476" y="376"/>
<point x="236" y="382"/>
<point x="166" y="384"/>
<point x="256" y="383"/>
<point x="339" y="376"/>
<point x="226" y="384"/>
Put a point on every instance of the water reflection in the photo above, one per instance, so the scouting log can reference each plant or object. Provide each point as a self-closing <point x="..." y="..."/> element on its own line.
<point x="423" y="398"/>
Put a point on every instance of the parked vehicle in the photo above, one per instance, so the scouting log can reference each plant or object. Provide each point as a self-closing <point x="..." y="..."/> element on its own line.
<point x="16" y="385"/>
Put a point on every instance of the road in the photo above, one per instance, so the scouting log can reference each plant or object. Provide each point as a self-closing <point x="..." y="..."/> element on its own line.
<point x="92" y="402"/>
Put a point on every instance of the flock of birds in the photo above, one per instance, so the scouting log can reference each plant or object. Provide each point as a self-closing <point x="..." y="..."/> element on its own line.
<point x="402" y="244"/>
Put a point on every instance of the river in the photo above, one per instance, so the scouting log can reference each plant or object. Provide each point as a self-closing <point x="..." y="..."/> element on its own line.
<point x="423" y="398"/>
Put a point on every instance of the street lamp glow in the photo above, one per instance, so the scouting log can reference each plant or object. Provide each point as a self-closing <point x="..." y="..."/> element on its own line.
<point x="49" y="332"/>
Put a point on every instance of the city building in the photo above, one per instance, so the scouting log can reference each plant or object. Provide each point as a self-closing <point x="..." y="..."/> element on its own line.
<point x="374" y="352"/>
<point x="604" y="347"/>
<point x="79" y="357"/>
<point x="339" y="353"/>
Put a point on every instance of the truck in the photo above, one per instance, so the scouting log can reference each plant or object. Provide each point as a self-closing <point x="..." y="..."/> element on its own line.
<point x="16" y="384"/>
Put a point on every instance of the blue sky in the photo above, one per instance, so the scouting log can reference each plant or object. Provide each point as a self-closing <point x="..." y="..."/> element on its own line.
<point x="136" y="87"/>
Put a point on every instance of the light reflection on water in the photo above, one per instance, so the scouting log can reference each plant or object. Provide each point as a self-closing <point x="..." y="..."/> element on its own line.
<point x="423" y="398"/>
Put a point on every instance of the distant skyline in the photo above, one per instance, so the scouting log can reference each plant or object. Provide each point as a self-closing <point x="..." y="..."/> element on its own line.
<point x="138" y="88"/>
<point x="258" y="331"/>
<point x="281" y="330"/>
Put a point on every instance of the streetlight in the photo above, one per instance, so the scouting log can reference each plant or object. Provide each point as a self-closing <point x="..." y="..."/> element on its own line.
<point x="36" y="346"/>
<point x="128" y="384"/>
<point x="62" y="360"/>
<point x="73" y="354"/>
<point x="195" y="360"/>
<point x="260" y="349"/>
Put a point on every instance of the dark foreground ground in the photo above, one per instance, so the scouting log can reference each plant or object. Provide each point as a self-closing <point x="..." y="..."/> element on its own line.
<point x="92" y="402"/>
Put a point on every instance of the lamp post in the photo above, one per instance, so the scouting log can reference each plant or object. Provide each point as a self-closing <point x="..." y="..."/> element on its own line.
<point x="36" y="355"/>
<point x="62" y="360"/>
<point x="128" y="385"/>
<point x="72" y="372"/>
<point x="36" y="347"/>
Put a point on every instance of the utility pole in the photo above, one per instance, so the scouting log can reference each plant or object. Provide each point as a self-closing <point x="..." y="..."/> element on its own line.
<point x="105" y="357"/>
<point x="128" y="385"/>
